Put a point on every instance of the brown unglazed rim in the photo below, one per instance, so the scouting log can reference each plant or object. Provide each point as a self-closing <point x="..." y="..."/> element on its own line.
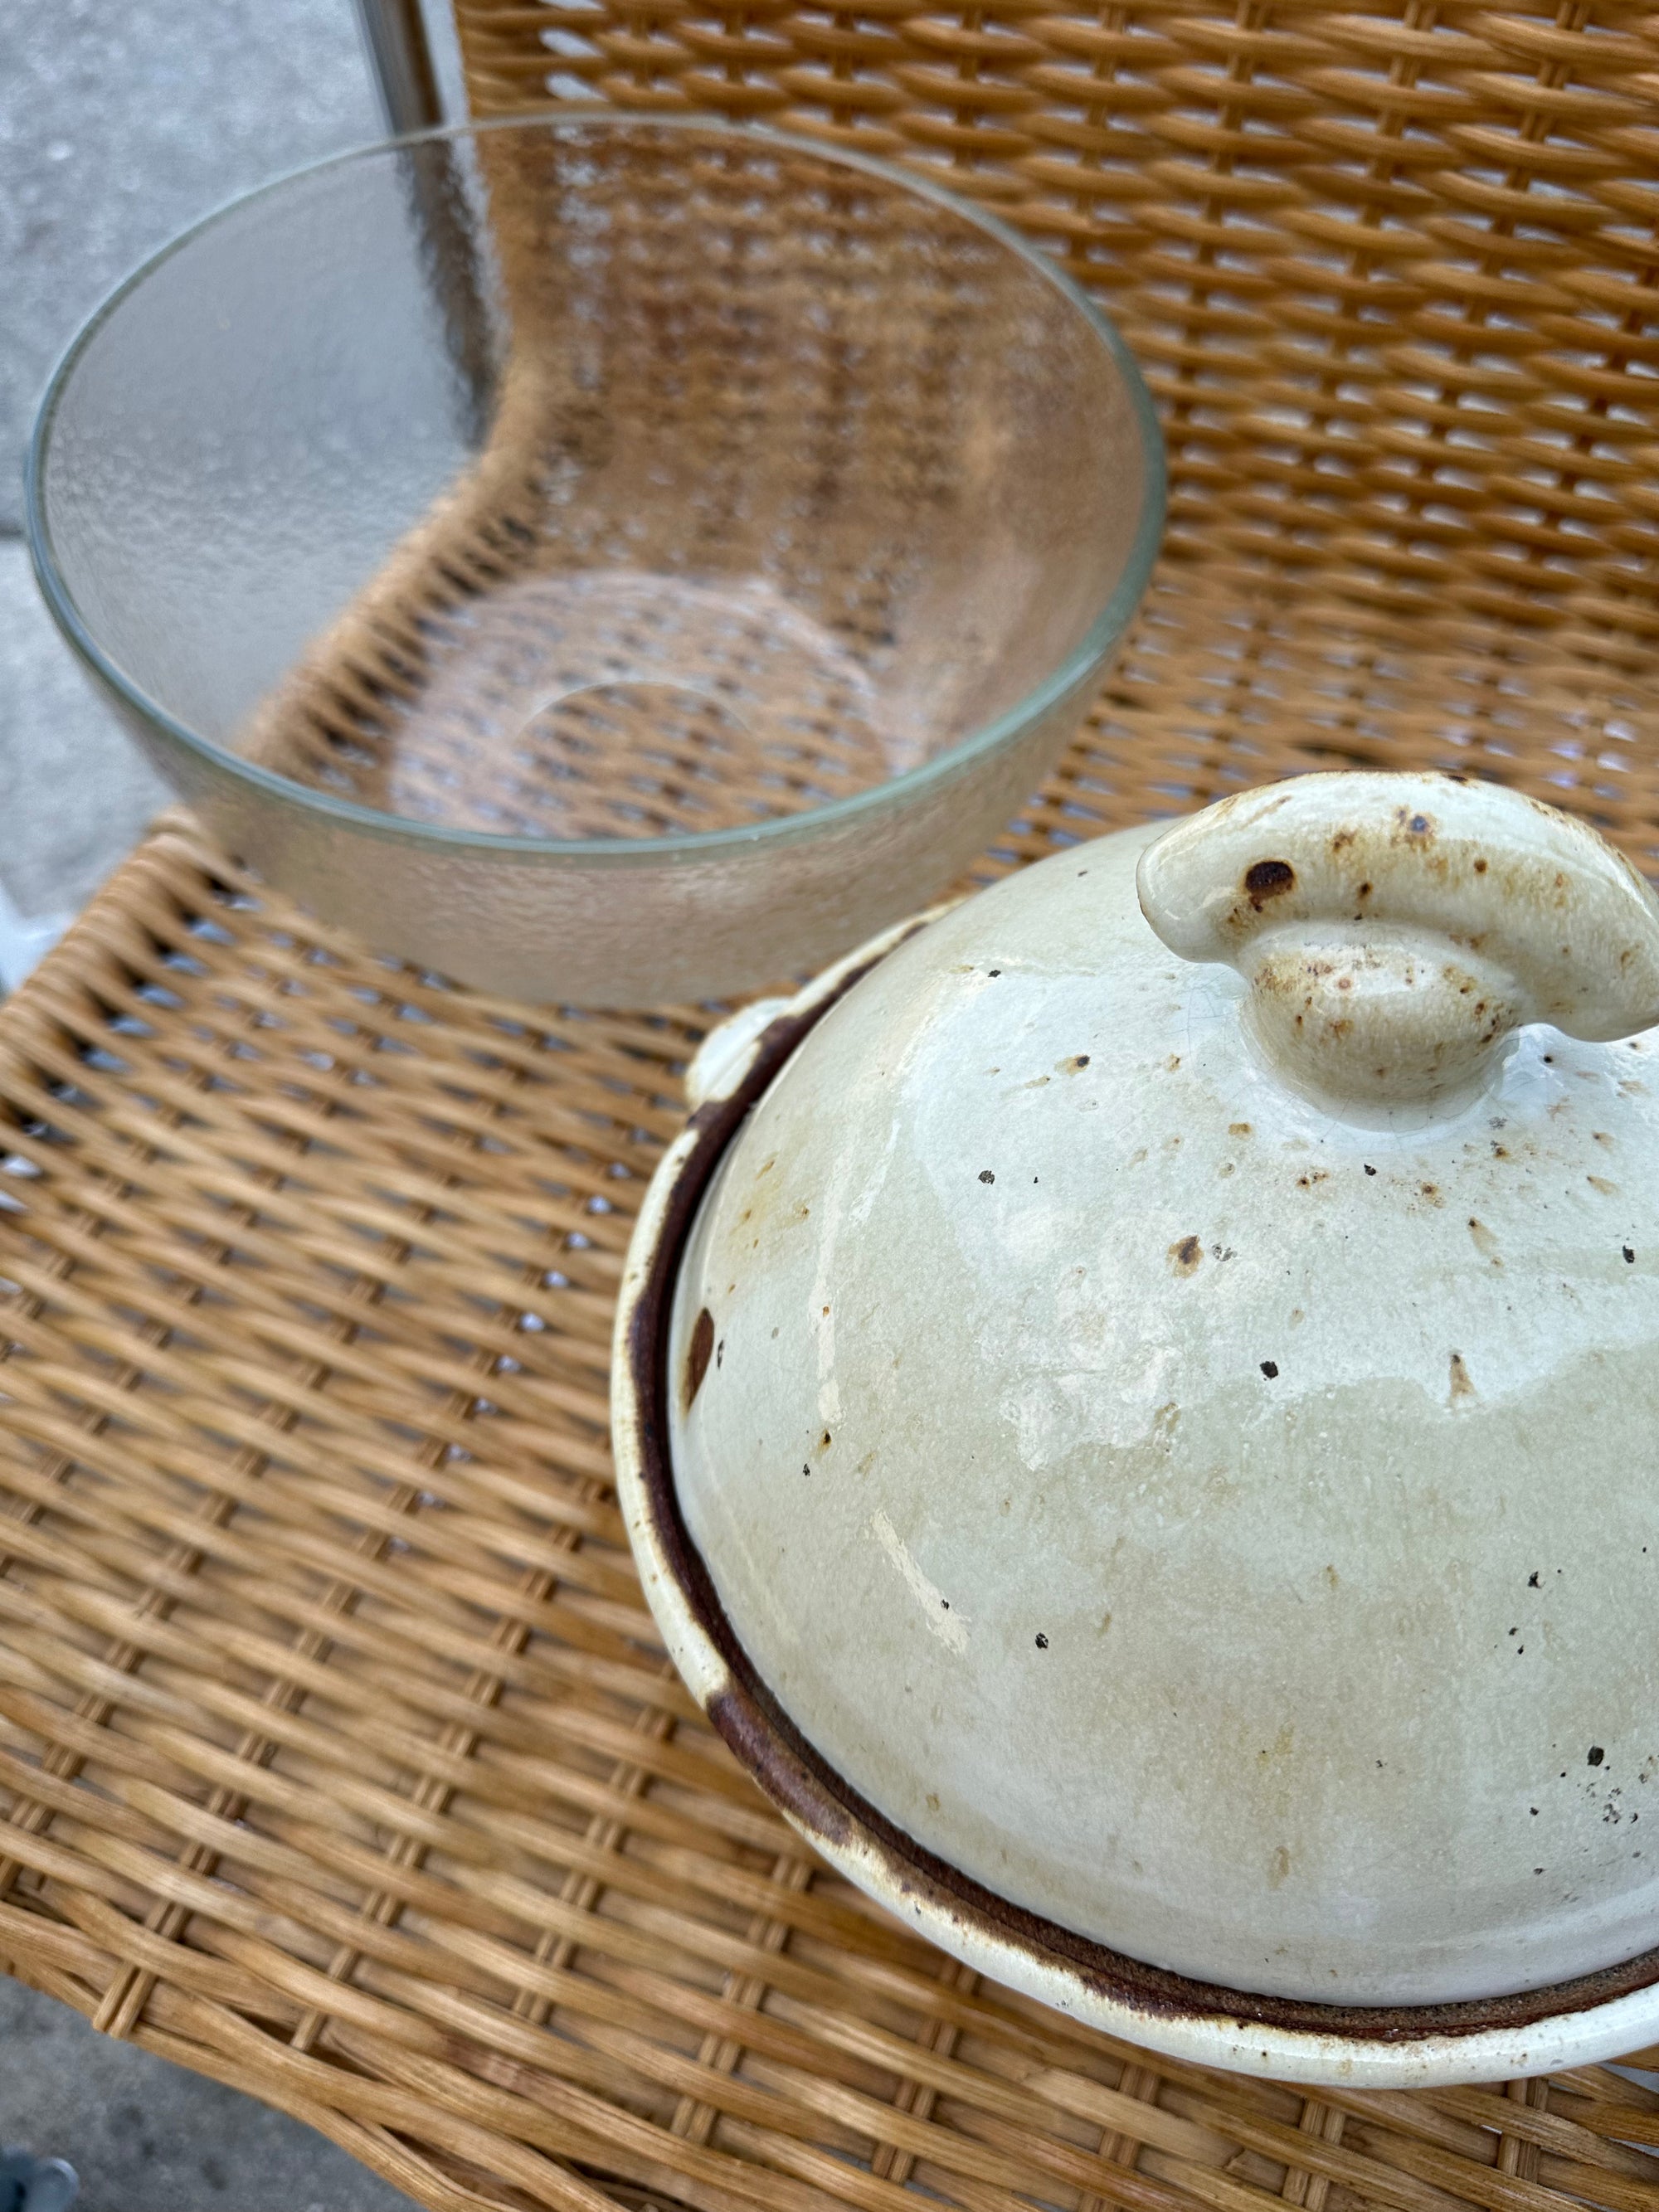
<point x="827" y="1808"/>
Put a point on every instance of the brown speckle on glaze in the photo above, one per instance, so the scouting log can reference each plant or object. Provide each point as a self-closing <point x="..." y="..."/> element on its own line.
<point x="1485" y="1243"/>
<point x="1268" y="880"/>
<point x="699" y="1353"/>
<point x="1185" y="1255"/>
<point x="1461" y="1387"/>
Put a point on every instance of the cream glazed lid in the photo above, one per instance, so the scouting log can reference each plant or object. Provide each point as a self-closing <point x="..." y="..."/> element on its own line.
<point x="1164" y="1386"/>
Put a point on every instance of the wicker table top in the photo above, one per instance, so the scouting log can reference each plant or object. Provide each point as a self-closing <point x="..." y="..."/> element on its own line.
<point x="337" y="1757"/>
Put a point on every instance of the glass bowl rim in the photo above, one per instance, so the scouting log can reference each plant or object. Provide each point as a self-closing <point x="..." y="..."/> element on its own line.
<point x="913" y="783"/>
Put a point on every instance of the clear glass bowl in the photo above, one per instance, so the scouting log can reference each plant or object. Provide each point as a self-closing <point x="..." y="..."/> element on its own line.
<point x="608" y="560"/>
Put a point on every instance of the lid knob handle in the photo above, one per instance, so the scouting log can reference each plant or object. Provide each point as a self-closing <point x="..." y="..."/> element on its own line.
<point x="1394" y="928"/>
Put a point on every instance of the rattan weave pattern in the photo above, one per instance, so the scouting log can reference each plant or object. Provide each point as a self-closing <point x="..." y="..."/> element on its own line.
<point x="337" y="1757"/>
<point x="1389" y="265"/>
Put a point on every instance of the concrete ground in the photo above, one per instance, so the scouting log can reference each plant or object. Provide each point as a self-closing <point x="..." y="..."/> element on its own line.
<point x="118" y="127"/>
<point x="145" y="2136"/>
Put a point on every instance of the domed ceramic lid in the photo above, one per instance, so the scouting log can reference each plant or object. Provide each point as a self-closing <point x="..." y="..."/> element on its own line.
<point x="1156" y="1411"/>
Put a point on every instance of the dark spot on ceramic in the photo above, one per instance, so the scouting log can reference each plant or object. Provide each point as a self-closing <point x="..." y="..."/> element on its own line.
<point x="996" y="971"/>
<point x="1042" y="1641"/>
<point x="805" y="1469"/>
<point x="824" y="1441"/>
<point x="720" y="1353"/>
<point x="1596" y="1755"/>
<point x="1370" y="1169"/>
<point x="1082" y="1060"/>
<point x="985" y="1175"/>
<point x="1419" y="825"/>
<point x="1629" y="1256"/>
<point x="698" y="1355"/>
<point x="1364" y="890"/>
<point x="1480" y="867"/>
<point x="1268" y="880"/>
<point x="1532" y="1579"/>
<point x="1185" y="1255"/>
<point x="1270" y="1369"/>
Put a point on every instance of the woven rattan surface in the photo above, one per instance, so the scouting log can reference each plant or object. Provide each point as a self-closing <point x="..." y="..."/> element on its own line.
<point x="337" y="1758"/>
<point x="1389" y="266"/>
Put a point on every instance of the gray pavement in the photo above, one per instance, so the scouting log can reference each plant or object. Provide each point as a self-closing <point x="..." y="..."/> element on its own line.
<point x="118" y="127"/>
<point x="145" y="2136"/>
<point x="74" y="792"/>
<point x="119" y="124"/>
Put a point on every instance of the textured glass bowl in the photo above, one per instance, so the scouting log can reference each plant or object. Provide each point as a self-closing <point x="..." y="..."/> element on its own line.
<point x="607" y="560"/>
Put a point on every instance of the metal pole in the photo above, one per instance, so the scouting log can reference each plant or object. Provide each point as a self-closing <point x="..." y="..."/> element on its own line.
<point x="400" y="62"/>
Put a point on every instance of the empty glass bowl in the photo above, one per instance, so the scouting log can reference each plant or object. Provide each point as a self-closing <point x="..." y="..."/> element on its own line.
<point x="608" y="560"/>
